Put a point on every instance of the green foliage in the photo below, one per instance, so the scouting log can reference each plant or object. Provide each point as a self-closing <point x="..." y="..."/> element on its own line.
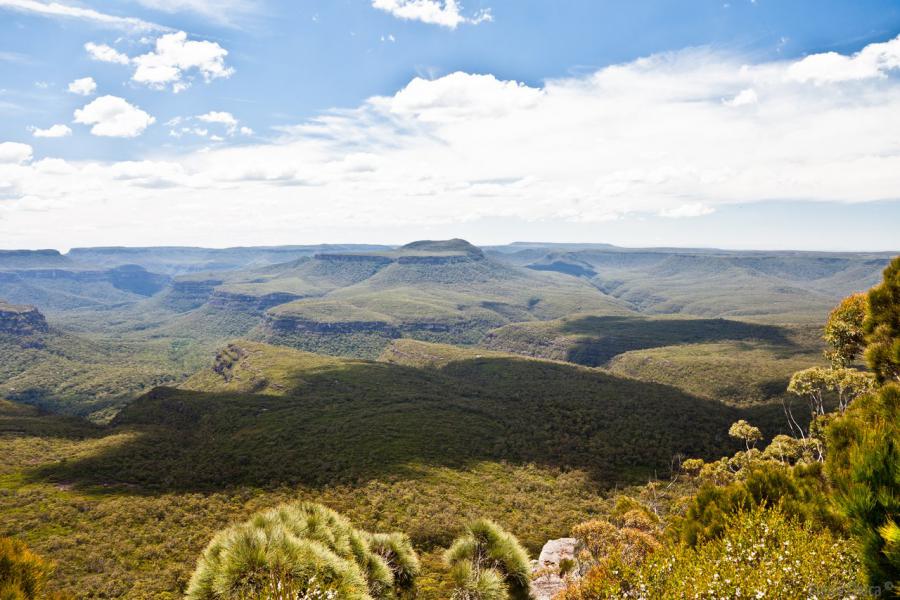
<point x="864" y="462"/>
<point x="397" y="551"/>
<point x="488" y="563"/>
<point x="800" y="492"/>
<point x="300" y="550"/>
<point x="844" y="330"/>
<point x="882" y="326"/>
<point x="745" y="432"/>
<point x="23" y="574"/>
<point x="760" y="553"/>
<point x="296" y="426"/>
<point x="145" y="541"/>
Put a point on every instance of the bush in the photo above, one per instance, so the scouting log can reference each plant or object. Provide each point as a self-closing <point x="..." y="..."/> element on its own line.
<point x="760" y="553"/>
<point x="488" y="563"/>
<point x="23" y="574"/>
<point x="800" y="492"/>
<point x="865" y="465"/>
<point x="300" y="550"/>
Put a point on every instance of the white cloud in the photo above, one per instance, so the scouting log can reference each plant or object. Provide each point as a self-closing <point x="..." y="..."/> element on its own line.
<point x="873" y="61"/>
<point x="54" y="131"/>
<point x="744" y="98"/>
<point x="112" y="116"/>
<point x="14" y="153"/>
<point x="105" y="53"/>
<point x="446" y="13"/>
<point x="58" y="9"/>
<point x="220" y="117"/>
<point x="651" y="137"/>
<point x="84" y="86"/>
<point x="175" y="59"/>
<point x="246" y="131"/>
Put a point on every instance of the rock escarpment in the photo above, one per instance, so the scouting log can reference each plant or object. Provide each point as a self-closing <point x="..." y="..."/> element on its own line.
<point x="21" y="320"/>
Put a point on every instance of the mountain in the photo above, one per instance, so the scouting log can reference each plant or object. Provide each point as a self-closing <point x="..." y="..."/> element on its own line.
<point x="445" y="291"/>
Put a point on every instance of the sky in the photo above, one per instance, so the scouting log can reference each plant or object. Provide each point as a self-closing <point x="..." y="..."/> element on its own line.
<point x="759" y="124"/>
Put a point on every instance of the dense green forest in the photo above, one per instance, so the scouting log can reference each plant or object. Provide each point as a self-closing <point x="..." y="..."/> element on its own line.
<point x="417" y="422"/>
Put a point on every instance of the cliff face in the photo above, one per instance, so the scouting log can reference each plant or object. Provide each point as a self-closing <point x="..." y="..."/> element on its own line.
<point x="185" y="295"/>
<point x="21" y="320"/>
<point x="287" y="324"/>
<point x="249" y="303"/>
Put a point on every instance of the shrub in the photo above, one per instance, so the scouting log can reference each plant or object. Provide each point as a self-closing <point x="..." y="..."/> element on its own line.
<point x="488" y="563"/>
<point x="300" y="550"/>
<point x="23" y="574"/>
<point x="800" y="492"/>
<point x="882" y="326"/>
<point x="865" y="465"/>
<point x="760" y="553"/>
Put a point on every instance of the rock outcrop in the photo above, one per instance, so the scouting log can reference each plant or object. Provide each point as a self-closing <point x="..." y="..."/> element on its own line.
<point x="20" y="320"/>
<point x="549" y="579"/>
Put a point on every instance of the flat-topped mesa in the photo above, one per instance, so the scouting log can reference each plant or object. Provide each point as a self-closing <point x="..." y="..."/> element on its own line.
<point x="31" y="259"/>
<point x="454" y="246"/>
<point x="21" y="319"/>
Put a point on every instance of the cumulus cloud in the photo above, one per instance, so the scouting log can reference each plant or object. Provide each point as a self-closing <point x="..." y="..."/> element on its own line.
<point x="14" y="153"/>
<point x="83" y="87"/>
<point x="873" y="61"/>
<point x="658" y="136"/>
<point x="60" y="10"/>
<point x="111" y="116"/>
<point x="446" y="13"/>
<point x="105" y="53"/>
<point x="175" y="60"/>
<point x="54" y="131"/>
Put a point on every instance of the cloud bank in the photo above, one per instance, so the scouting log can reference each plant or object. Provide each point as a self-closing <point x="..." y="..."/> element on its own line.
<point x="674" y="135"/>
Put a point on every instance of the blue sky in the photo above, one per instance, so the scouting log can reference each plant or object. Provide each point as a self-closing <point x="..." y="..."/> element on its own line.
<point x="763" y="124"/>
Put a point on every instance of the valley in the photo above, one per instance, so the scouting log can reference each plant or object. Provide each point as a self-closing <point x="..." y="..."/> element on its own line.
<point x="152" y="396"/>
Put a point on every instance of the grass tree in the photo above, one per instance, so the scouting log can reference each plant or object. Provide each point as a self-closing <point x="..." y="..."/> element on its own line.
<point x="489" y="563"/>
<point x="300" y="551"/>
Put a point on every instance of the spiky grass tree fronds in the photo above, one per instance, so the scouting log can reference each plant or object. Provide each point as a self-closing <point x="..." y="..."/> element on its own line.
<point x="301" y="550"/>
<point x="473" y="583"/>
<point x="378" y="572"/>
<point x="246" y="562"/>
<point x="397" y="551"/>
<point x="486" y="546"/>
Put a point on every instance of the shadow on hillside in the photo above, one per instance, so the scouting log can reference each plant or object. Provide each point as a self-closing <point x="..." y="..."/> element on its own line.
<point x="21" y="420"/>
<point x="606" y="337"/>
<point x="369" y="420"/>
